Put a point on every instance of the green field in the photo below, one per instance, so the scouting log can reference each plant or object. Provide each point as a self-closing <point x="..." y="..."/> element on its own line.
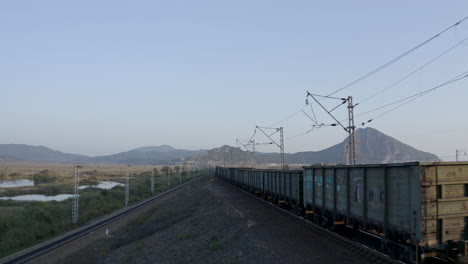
<point x="24" y="224"/>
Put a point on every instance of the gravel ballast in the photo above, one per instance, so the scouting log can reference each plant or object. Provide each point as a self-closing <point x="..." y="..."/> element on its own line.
<point x="211" y="221"/>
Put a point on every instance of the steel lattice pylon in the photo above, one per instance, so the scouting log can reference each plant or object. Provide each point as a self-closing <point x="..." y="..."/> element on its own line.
<point x="351" y="129"/>
<point x="152" y="181"/>
<point x="75" y="203"/>
<point x="127" y="185"/>
<point x="280" y="145"/>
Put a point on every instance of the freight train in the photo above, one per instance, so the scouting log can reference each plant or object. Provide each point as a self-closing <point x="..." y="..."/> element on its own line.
<point x="416" y="210"/>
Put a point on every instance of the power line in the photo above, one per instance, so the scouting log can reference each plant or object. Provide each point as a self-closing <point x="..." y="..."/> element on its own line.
<point x="312" y="119"/>
<point x="280" y="145"/>
<point x="327" y="111"/>
<point x="369" y="74"/>
<point x="289" y="116"/>
<point x="413" y="97"/>
<point x="415" y="71"/>
<point x="255" y="132"/>
<point x="455" y="79"/>
<point x="351" y="127"/>
<point x="372" y="73"/>
<point x="302" y="134"/>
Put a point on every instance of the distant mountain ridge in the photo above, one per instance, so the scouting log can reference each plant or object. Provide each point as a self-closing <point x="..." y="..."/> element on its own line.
<point x="23" y="152"/>
<point x="372" y="147"/>
<point x="162" y="148"/>
<point x="144" y="155"/>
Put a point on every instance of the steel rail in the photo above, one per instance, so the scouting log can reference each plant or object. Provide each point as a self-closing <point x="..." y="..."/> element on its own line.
<point x="357" y="248"/>
<point x="36" y="251"/>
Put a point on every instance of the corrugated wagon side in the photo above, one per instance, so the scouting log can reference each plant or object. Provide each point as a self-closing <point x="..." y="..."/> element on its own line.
<point x="382" y="199"/>
<point x="283" y="187"/>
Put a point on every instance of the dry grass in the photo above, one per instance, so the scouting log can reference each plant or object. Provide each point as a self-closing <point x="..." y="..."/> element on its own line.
<point x="17" y="170"/>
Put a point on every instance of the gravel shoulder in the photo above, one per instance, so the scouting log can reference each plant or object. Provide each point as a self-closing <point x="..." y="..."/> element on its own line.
<point x="208" y="221"/>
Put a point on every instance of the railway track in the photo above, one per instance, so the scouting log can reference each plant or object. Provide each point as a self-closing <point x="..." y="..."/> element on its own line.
<point x="358" y="248"/>
<point x="34" y="252"/>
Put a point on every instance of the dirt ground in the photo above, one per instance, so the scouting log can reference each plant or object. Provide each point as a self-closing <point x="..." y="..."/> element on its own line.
<point x="209" y="221"/>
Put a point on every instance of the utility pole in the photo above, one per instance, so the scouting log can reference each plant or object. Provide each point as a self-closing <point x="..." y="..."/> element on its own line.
<point x="282" y="148"/>
<point x="280" y="145"/>
<point x="168" y="177"/>
<point x="127" y="185"/>
<point x="152" y="179"/>
<point x="75" y="204"/>
<point x="351" y="128"/>
<point x="246" y="146"/>
<point x="351" y="156"/>
<point x="253" y="153"/>
<point x="184" y="169"/>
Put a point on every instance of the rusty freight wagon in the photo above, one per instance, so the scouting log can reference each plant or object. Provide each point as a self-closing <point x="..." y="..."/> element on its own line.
<point x="413" y="207"/>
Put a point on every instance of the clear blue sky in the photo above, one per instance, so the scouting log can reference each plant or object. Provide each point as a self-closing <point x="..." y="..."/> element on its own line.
<point x="99" y="77"/>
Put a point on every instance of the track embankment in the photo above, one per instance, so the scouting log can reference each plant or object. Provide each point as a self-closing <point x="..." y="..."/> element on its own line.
<point x="208" y="221"/>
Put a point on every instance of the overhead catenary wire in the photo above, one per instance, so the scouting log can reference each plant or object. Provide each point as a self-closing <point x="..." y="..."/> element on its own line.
<point x="313" y="112"/>
<point x="255" y="131"/>
<point x="413" y="97"/>
<point x="405" y="101"/>
<point x="312" y="119"/>
<point x="288" y="117"/>
<point x="455" y="79"/>
<point x="385" y="65"/>
<point x="417" y="95"/>
<point x="396" y="59"/>
<point x="274" y="133"/>
<point x="415" y="71"/>
<point x="244" y="145"/>
<point x="327" y="111"/>
<point x="303" y="133"/>
<point x="280" y="121"/>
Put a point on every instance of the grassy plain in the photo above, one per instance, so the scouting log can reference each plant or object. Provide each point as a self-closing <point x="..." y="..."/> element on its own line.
<point x="23" y="224"/>
<point x="11" y="170"/>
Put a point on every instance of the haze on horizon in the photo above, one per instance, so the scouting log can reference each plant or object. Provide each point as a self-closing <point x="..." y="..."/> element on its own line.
<point x="97" y="78"/>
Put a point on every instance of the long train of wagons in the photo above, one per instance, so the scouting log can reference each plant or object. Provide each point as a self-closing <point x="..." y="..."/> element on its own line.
<point x="418" y="210"/>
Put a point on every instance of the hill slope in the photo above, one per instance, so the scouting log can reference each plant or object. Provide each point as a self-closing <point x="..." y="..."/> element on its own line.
<point x="143" y="155"/>
<point x="162" y="148"/>
<point x="147" y="156"/>
<point x="22" y="152"/>
<point x="372" y="146"/>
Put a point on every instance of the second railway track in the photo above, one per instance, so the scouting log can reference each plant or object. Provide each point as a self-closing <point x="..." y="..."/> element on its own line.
<point x="37" y="251"/>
